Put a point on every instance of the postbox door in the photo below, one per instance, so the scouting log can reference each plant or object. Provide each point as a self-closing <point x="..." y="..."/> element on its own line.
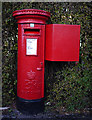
<point x="31" y="63"/>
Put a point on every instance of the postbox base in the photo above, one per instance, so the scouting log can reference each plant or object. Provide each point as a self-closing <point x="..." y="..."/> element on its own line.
<point x="30" y="106"/>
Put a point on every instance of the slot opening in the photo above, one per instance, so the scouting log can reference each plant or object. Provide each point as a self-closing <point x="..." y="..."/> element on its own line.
<point x="32" y="31"/>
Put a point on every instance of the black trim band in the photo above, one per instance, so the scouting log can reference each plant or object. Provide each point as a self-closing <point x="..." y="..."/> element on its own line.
<point x="30" y="106"/>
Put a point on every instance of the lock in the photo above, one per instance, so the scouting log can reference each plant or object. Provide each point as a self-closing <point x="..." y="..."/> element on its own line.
<point x="41" y="66"/>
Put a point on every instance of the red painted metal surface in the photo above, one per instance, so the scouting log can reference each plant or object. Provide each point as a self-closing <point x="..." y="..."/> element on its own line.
<point x="31" y="16"/>
<point x="30" y="78"/>
<point x="62" y="42"/>
<point x="30" y="83"/>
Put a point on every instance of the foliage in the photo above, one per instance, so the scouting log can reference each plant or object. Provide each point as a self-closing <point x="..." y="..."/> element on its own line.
<point x="73" y="90"/>
<point x="67" y="84"/>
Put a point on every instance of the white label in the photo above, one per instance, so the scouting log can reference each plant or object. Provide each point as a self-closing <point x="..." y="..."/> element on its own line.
<point x="31" y="46"/>
<point x="31" y="24"/>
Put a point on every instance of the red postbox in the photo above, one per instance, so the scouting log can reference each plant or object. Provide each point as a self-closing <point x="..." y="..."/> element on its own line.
<point x="31" y="44"/>
<point x="38" y="42"/>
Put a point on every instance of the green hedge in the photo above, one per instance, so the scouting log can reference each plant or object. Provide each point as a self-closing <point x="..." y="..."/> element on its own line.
<point x="72" y="87"/>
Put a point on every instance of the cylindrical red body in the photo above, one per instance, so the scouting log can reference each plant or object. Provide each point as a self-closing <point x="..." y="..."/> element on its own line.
<point x="31" y="41"/>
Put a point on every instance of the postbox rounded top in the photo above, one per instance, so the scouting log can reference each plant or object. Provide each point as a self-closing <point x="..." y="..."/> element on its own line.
<point x="31" y="15"/>
<point x="31" y="12"/>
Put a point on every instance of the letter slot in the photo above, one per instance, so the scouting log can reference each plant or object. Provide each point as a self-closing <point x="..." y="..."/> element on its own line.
<point x="32" y="31"/>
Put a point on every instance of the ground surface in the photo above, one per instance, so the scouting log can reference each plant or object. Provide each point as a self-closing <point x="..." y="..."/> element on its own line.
<point x="48" y="115"/>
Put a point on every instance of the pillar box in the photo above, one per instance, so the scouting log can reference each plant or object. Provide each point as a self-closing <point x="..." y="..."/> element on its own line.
<point x="31" y="45"/>
<point x="38" y="42"/>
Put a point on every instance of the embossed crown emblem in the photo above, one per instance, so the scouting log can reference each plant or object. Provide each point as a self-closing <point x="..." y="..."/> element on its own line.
<point x="31" y="75"/>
